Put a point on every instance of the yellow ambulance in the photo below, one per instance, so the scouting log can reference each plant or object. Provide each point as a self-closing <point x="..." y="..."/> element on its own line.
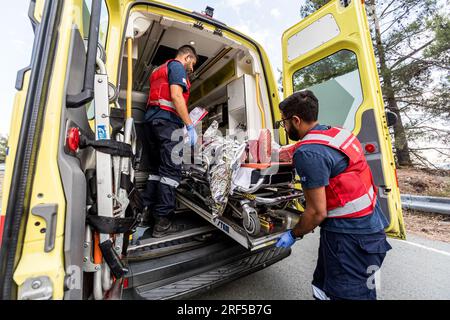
<point x="76" y="161"/>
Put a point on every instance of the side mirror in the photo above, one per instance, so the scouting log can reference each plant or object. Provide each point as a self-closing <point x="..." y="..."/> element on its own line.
<point x="391" y="118"/>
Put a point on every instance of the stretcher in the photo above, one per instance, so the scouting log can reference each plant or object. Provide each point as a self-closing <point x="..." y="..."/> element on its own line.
<point x="254" y="208"/>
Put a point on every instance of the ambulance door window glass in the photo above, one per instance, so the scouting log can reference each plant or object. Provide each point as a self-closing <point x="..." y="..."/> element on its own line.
<point x="104" y="21"/>
<point x="336" y="83"/>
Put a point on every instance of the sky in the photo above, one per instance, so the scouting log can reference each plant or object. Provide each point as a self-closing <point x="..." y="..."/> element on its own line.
<point x="263" y="20"/>
<point x="17" y="35"/>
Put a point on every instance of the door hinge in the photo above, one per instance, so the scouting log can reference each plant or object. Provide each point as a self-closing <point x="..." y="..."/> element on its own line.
<point x="198" y="25"/>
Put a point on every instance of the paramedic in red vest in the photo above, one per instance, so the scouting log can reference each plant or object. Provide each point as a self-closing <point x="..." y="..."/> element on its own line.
<point x="167" y="111"/>
<point x="340" y="198"/>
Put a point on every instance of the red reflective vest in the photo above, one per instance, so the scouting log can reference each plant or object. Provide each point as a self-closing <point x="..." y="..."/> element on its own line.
<point x="160" y="89"/>
<point x="352" y="193"/>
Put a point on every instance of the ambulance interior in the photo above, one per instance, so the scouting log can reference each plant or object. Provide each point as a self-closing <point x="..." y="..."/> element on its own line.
<point x="228" y="81"/>
<point x="224" y="80"/>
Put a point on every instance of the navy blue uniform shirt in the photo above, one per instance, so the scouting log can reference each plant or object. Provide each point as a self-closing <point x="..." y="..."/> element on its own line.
<point x="316" y="164"/>
<point x="177" y="75"/>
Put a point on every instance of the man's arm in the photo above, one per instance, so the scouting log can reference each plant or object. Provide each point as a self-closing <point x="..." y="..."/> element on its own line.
<point x="315" y="211"/>
<point x="176" y="93"/>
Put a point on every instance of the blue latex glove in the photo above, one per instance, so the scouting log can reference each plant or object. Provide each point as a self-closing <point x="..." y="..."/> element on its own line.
<point x="192" y="134"/>
<point x="286" y="240"/>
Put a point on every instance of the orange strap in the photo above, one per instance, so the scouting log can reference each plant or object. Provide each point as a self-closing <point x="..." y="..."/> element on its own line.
<point x="97" y="252"/>
<point x="265" y="165"/>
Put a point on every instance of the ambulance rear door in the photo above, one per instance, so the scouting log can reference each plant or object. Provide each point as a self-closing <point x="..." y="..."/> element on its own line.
<point x="330" y="53"/>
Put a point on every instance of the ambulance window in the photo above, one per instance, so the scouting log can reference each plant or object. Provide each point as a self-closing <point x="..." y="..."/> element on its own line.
<point x="336" y="83"/>
<point x="104" y="21"/>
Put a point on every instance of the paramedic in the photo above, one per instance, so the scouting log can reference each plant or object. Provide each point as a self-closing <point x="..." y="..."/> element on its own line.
<point x="341" y="198"/>
<point x="167" y="111"/>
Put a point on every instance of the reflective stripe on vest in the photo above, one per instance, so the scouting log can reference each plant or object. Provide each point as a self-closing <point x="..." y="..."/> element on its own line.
<point x="163" y="102"/>
<point x="353" y="206"/>
<point x="335" y="141"/>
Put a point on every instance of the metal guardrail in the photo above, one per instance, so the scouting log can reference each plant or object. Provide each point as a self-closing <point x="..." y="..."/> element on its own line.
<point x="426" y="204"/>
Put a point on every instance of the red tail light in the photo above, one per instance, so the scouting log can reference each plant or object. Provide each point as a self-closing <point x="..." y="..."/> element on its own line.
<point x="73" y="139"/>
<point x="125" y="283"/>
<point x="370" y="148"/>
<point x="2" y="224"/>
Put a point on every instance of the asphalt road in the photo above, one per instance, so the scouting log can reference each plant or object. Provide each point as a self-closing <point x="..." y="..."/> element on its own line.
<point x="414" y="269"/>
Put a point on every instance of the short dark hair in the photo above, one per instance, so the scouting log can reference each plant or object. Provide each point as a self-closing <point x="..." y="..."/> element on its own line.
<point x="187" y="49"/>
<point x="302" y="104"/>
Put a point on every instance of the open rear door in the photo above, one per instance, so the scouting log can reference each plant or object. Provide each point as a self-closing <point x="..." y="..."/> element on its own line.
<point x="330" y="53"/>
<point x="42" y="224"/>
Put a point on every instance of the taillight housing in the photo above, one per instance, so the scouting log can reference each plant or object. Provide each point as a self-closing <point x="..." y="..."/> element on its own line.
<point x="73" y="140"/>
<point x="370" y="148"/>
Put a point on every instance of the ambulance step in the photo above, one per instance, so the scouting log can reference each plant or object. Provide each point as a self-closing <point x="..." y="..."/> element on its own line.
<point x="205" y="269"/>
<point x="153" y="247"/>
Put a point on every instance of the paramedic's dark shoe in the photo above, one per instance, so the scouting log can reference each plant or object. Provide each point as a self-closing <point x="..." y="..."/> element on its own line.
<point x="147" y="218"/>
<point x="165" y="227"/>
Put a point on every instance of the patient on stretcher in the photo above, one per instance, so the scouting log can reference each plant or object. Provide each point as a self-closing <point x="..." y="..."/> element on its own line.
<point x="243" y="179"/>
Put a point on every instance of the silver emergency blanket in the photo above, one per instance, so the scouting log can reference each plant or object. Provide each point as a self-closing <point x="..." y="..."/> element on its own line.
<point x="223" y="157"/>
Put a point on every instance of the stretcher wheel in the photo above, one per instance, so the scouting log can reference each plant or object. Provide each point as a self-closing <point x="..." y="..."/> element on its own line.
<point x="253" y="227"/>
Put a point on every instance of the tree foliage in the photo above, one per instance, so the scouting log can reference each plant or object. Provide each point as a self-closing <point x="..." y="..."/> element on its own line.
<point x="333" y="66"/>
<point x="3" y="146"/>
<point x="411" y="39"/>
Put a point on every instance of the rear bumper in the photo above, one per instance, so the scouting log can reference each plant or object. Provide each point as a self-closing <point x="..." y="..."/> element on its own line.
<point x="190" y="273"/>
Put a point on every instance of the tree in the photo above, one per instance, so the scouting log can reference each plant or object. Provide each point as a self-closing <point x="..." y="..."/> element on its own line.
<point x="3" y="146"/>
<point x="411" y="43"/>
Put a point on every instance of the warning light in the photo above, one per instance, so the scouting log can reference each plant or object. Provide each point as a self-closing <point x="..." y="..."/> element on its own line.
<point x="73" y="139"/>
<point x="209" y="12"/>
<point x="370" y="148"/>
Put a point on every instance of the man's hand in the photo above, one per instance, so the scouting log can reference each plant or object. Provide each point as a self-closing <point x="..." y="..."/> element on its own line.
<point x="286" y="240"/>
<point x="192" y="134"/>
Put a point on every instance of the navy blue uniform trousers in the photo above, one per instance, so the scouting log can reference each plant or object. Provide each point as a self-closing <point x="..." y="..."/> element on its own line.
<point x="164" y="173"/>
<point x="346" y="265"/>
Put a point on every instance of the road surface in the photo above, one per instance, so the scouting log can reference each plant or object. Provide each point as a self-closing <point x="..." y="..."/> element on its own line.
<point x="414" y="269"/>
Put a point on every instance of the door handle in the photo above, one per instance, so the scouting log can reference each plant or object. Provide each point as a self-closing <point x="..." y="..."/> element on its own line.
<point x="48" y="213"/>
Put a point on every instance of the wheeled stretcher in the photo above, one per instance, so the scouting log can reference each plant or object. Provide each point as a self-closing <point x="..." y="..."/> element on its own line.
<point x="258" y="203"/>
